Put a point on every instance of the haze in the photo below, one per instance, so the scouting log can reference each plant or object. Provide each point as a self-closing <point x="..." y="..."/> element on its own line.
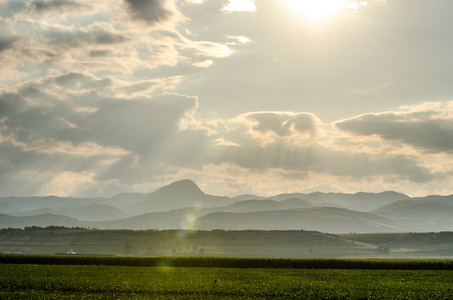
<point x="243" y="97"/>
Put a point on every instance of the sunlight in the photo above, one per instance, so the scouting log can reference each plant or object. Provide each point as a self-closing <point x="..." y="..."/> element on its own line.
<point x="316" y="10"/>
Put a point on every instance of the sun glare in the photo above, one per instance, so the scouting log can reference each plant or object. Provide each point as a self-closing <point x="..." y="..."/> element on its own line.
<point x="316" y="10"/>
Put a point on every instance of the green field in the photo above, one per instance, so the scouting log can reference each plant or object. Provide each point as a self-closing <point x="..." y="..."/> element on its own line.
<point x="56" y="280"/>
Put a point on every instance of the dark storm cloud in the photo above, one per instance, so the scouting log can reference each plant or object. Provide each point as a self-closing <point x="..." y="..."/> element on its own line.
<point x="425" y="131"/>
<point x="151" y="12"/>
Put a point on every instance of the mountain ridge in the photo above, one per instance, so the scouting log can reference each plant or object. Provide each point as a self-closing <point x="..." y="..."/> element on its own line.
<point x="183" y="205"/>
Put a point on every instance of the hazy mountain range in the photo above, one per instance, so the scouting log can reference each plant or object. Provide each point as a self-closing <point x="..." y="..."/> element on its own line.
<point x="182" y="205"/>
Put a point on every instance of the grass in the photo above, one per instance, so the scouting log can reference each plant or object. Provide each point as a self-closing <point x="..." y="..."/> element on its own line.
<point x="164" y="282"/>
<point x="168" y="279"/>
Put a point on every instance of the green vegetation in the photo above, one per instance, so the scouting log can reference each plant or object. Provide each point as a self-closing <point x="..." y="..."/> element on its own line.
<point x="230" y="262"/>
<point x="225" y="243"/>
<point x="30" y="281"/>
<point x="249" y="243"/>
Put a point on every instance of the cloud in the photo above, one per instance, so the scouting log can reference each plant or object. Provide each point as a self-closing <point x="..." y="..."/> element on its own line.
<point x="98" y="33"/>
<point x="204" y="64"/>
<point x="91" y="132"/>
<point x="63" y="8"/>
<point x="283" y="124"/>
<point x="212" y="49"/>
<point x="110" y="135"/>
<point x="42" y="46"/>
<point x="24" y="108"/>
<point x="316" y="158"/>
<point x="32" y="45"/>
<point x="299" y="142"/>
<point x="428" y="128"/>
<point x="153" y="13"/>
<point x="240" y="6"/>
<point x="239" y="40"/>
<point x="6" y="42"/>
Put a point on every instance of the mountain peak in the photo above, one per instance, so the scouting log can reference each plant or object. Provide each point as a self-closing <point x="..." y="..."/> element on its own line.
<point x="185" y="184"/>
<point x="183" y="187"/>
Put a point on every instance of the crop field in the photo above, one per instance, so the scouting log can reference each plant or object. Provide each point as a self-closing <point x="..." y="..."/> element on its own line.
<point x="165" y="281"/>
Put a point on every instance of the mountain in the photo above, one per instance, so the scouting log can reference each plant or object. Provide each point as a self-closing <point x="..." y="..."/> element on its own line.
<point x="179" y="194"/>
<point x="184" y="218"/>
<point x="183" y="205"/>
<point x="448" y="200"/>
<point x="31" y="203"/>
<point x="326" y="219"/>
<point x="248" y="197"/>
<point x="295" y="203"/>
<point x="7" y="208"/>
<point x="125" y="199"/>
<point x="92" y="212"/>
<point x="44" y="220"/>
<point x="174" y="219"/>
<point x="423" y="215"/>
<point x="97" y="212"/>
<point x="265" y="205"/>
<point x="358" y="201"/>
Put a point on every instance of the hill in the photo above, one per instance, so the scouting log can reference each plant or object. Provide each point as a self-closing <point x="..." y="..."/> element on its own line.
<point x="92" y="212"/>
<point x="421" y="215"/>
<point x="326" y="219"/>
<point x="358" y="201"/>
<point x="179" y="243"/>
<point x="7" y="221"/>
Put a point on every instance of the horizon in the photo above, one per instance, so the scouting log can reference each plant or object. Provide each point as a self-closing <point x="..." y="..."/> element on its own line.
<point x="232" y="196"/>
<point x="242" y="96"/>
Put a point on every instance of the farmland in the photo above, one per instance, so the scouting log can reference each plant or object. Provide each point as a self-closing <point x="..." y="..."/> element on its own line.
<point x="222" y="243"/>
<point x="166" y="281"/>
<point x="126" y="264"/>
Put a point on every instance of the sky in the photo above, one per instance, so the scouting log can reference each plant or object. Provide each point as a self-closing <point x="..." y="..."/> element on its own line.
<point x="241" y="96"/>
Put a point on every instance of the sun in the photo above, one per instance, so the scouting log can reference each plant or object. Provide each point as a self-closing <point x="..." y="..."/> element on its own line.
<point x="316" y="10"/>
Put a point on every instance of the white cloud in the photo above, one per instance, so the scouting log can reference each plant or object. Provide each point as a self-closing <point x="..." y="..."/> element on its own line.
<point x="239" y="40"/>
<point x="240" y="6"/>
<point x="204" y="64"/>
<point x="212" y="49"/>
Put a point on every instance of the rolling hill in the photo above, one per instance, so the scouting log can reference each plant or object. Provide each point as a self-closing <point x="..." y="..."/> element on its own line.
<point x="358" y="201"/>
<point x="44" y="220"/>
<point x="92" y="212"/>
<point x="422" y="215"/>
<point x="326" y="219"/>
